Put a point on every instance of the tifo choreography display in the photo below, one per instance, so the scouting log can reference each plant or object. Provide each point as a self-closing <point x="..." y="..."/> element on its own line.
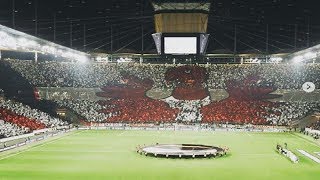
<point x="250" y="94"/>
<point x="159" y="89"/>
<point x="182" y="150"/>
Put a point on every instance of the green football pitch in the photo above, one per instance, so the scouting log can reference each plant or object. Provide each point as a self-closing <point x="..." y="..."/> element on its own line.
<point x="111" y="155"/>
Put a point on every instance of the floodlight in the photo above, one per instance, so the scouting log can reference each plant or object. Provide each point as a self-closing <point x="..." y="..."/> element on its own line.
<point x="310" y="55"/>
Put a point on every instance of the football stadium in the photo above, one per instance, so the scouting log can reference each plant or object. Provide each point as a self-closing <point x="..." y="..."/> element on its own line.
<point x="159" y="89"/>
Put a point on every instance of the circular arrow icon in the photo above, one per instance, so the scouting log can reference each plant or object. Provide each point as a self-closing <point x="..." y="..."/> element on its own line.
<point x="308" y="87"/>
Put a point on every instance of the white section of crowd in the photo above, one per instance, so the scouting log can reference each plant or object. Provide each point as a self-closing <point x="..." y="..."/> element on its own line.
<point x="86" y="108"/>
<point x="9" y="130"/>
<point x="189" y="110"/>
<point x="292" y="111"/>
<point x="89" y="75"/>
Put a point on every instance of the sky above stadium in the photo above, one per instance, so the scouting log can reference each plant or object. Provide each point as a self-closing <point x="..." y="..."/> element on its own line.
<point x="286" y="19"/>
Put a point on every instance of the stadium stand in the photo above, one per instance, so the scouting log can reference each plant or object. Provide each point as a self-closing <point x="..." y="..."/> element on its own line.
<point x="9" y="129"/>
<point x="26" y="111"/>
<point x="88" y="75"/>
<point x="124" y="87"/>
<point x="17" y="119"/>
<point x="86" y="109"/>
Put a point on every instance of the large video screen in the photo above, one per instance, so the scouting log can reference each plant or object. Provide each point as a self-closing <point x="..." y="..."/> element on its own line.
<point x="180" y="45"/>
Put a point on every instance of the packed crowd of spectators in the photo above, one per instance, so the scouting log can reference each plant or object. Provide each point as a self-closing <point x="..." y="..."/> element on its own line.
<point x="9" y="129"/>
<point x="230" y="111"/>
<point x="122" y="110"/>
<point x="283" y="76"/>
<point x="17" y="119"/>
<point x="236" y="111"/>
<point x="140" y="110"/>
<point x="189" y="110"/>
<point x="65" y="74"/>
<point x="293" y="111"/>
<point x="87" y="109"/>
<point x="26" y="111"/>
<point x="20" y="120"/>
<point x="144" y="109"/>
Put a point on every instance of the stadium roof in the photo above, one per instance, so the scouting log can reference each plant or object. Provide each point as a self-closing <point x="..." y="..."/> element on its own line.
<point x="292" y="25"/>
<point x="13" y="40"/>
<point x="182" y="1"/>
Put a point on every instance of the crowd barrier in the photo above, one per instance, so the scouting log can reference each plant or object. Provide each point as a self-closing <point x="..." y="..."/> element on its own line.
<point x="312" y="131"/>
<point x="183" y="127"/>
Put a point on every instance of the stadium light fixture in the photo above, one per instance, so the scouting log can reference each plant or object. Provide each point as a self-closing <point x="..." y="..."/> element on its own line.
<point x="82" y="59"/>
<point x="310" y="55"/>
<point x="298" y="59"/>
<point x="11" y="39"/>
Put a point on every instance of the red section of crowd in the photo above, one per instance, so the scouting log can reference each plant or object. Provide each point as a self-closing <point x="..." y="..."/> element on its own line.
<point x="19" y="120"/>
<point x="190" y="93"/>
<point x="236" y="111"/>
<point x="140" y="110"/>
<point x="245" y="103"/>
<point x="188" y="81"/>
<point x="130" y="104"/>
<point x="131" y="87"/>
<point x="253" y="87"/>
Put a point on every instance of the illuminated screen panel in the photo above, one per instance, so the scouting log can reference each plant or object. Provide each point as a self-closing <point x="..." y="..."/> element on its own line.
<point x="180" y="45"/>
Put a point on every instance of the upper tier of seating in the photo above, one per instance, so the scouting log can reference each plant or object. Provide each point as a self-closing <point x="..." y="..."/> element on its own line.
<point x="63" y="74"/>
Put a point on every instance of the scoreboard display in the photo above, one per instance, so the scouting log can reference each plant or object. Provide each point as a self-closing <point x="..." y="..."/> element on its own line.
<point x="180" y="45"/>
<point x="176" y="44"/>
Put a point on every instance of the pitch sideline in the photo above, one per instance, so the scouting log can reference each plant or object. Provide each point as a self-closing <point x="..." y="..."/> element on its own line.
<point x="37" y="145"/>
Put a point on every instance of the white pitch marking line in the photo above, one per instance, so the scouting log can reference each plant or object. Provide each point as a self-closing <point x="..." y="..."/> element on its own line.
<point x="305" y="140"/>
<point x="34" y="147"/>
<point x="28" y="149"/>
<point x="122" y="133"/>
<point x="248" y="134"/>
<point x="253" y="154"/>
<point x="309" y="156"/>
<point x="66" y="151"/>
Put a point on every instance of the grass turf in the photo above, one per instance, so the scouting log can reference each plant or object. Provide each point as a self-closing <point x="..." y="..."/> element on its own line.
<point x="111" y="155"/>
